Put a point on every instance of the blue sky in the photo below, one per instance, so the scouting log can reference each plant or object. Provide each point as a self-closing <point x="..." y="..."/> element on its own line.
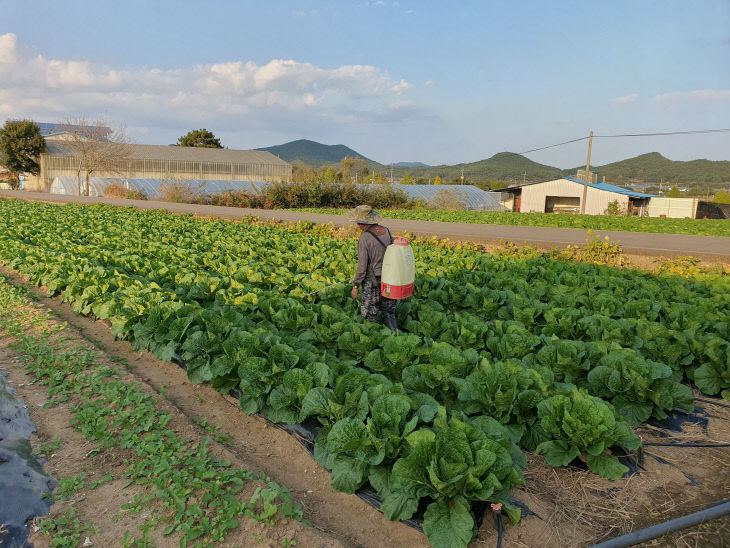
<point x="436" y="82"/>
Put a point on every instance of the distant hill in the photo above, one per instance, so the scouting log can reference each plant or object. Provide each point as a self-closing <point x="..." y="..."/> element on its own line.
<point x="504" y="166"/>
<point x="510" y="167"/>
<point x="410" y="164"/>
<point x="655" y="168"/>
<point x="313" y="153"/>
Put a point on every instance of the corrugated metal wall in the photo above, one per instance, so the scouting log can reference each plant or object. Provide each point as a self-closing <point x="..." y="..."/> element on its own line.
<point x="533" y="196"/>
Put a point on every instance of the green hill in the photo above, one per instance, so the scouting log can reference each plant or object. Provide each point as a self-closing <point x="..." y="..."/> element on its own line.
<point x="655" y="168"/>
<point x="510" y="167"/>
<point x="503" y="166"/>
<point x="315" y="154"/>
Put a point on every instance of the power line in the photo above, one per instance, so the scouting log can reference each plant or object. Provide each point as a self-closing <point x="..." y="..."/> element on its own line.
<point x="693" y="132"/>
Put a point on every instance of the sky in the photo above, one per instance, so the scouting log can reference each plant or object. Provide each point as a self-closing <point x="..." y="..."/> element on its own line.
<point x="409" y="80"/>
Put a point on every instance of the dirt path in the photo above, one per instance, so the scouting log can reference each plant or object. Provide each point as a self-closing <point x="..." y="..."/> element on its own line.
<point x="708" y="248"/>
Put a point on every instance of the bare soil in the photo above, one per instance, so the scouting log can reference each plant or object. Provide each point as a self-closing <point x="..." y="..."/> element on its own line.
<point x="573" y="507"/>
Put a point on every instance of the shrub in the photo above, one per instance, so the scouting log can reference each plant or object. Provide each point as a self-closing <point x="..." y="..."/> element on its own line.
<point x="180" y="191"/>
<point x="334" y="194"/>
<point x="449" y="199"/>
<point x="615" y="209"/>
<point x="119" y="191"/>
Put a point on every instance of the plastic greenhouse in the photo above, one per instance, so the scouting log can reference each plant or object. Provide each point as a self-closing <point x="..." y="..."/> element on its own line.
<point x="472" y="197"/>
<point x="69" y="185"/>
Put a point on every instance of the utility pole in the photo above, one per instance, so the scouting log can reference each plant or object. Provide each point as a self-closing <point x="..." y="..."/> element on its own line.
<point x="588" y="173"/>
<point x="462" y="175"/>
<point x="391" y="173"/>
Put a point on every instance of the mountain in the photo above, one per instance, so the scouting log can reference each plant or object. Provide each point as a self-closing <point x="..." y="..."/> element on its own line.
<point x="313" y="153"/>
<point x="655" y="168"/>
<point x="410" y="164"/>
<point x="511" y="167"/>
<point x="503" y="166"/>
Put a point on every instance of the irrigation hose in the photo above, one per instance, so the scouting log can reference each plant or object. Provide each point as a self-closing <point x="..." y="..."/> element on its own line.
<point x="718" y="403"/>
<point x="497" y="509"/>
<point x="714" y="511"/>
<point x="660" y="444"/>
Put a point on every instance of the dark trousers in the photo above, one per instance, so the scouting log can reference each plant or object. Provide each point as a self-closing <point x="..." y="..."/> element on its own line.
<point x="375" y="307"/>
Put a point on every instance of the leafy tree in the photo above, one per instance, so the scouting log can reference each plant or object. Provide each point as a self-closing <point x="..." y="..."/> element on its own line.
<point x="674" y="193"/>
<point x="199" y="138"/>
<point x="496" y="185"/>
<point x="330" y="176"/>
<point x="721" y="197"/>
<point x="437" y="180"/>
<point x="407" y="179"/>
<point x="352" y="168"/>
<point x="21" y="143"/>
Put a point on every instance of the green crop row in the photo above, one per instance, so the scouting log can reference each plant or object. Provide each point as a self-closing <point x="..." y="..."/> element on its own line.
<point x="500" y="353"/>
<point x="702" y="227"/>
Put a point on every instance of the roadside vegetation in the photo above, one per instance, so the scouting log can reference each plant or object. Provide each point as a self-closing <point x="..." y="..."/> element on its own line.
<point x="702" y="227"/>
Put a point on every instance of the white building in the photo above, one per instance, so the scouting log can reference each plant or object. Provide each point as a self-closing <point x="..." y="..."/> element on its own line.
<point x="565" y="195"/>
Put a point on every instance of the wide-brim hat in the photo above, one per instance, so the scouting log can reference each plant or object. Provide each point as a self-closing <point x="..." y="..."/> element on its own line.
<point x="364" y="215"/>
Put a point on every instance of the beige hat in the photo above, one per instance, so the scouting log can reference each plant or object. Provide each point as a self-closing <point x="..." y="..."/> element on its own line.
<point x="364" y="215"/>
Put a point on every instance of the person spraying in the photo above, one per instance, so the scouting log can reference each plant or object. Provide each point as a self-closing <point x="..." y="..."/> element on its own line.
<point x="385" y="268"/>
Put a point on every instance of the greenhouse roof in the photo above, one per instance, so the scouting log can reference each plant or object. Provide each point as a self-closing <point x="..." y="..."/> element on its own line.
<point x="196" y="154"/>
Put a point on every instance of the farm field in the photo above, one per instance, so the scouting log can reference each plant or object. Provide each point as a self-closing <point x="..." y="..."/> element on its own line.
<point x="700" y="227"/>
<point x="502" y="356"/>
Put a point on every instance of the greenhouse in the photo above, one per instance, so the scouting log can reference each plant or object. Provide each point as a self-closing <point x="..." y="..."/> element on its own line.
<point x="172" y="162"/>
<point x="70" y="186"/>
<point x="446" y="196"/>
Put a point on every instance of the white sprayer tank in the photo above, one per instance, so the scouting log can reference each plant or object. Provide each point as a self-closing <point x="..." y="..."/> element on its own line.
<point x="399" y="270"/>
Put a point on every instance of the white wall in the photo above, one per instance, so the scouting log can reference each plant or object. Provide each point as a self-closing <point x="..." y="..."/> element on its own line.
<point x="675" y="208"/>
<point x="533" y="196"/>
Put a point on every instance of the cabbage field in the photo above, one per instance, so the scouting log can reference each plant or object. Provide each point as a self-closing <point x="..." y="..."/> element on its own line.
<point x="501" y="356"/>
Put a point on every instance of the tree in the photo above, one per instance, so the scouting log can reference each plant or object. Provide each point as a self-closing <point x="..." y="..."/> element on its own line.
<point x="199" y="138"/>
<point x="352" y="168"/>
<point x="21" y="144"/>
<point x="721" y="197"/>
<point x="407" y="179"/>
<point x="330" y="176"/>
<point x="437" y="180"/>
<point x="674" y="193"/>
<point x="95" y="146"/>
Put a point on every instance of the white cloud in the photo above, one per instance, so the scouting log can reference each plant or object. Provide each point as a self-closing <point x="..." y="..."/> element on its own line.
<point x="699" y="95"/>
<point x="229" y="94"/>
<point x="626" y="99"/>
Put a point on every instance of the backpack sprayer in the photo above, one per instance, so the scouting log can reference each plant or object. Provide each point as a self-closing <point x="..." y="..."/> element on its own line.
<point x="398" y="275"/>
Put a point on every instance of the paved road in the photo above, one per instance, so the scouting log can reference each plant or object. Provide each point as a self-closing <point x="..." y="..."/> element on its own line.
<point x="671" y="245"/>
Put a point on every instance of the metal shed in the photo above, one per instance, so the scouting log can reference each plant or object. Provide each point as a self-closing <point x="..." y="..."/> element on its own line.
<point x="565" y="195"/>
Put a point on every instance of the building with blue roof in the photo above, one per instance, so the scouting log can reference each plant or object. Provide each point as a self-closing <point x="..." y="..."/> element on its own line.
<point x="565" y="196"/>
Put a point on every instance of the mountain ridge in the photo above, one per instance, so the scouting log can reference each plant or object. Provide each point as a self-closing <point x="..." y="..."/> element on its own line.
<point x="651" y="167"/>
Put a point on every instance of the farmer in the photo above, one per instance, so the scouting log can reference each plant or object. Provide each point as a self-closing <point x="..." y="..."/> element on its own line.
<point x="370" y="251"/>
